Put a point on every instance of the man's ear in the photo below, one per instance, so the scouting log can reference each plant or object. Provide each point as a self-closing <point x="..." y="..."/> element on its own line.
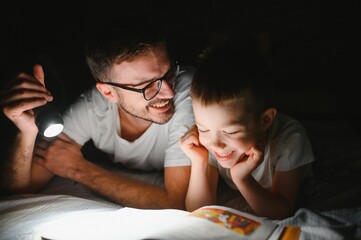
<point x="106" y="91"/>
<point x="268" y="117"/>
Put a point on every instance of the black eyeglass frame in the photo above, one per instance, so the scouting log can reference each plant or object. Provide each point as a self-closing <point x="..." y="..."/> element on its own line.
<point x="161" y="79"/>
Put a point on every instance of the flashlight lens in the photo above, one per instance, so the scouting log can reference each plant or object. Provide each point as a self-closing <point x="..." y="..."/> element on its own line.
<point x="53" y="130"/>
<point x="48" y="121"/>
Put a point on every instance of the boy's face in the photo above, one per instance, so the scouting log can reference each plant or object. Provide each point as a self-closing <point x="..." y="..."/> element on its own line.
<point x="227" y="131"/>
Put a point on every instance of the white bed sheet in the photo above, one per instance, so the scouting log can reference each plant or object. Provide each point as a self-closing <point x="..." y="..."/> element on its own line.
<point x="21" y="214"/>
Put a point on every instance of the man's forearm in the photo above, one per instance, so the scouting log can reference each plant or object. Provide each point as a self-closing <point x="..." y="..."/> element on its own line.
<point x="124" y="190"/>
<point x="17" y="173"/>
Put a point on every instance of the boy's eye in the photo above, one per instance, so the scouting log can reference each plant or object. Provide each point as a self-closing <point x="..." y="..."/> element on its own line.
<point x="202" y="131"/>
<point x="231" y="133"/>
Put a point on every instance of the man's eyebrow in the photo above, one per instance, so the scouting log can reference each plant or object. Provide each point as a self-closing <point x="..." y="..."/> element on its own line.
<point x="149" y="80"/>
<point x="142" y="83"/>
<point x="138" y="84"/>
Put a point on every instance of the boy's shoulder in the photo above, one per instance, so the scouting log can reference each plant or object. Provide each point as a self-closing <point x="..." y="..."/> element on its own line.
<point x="285" y="126"/>
<point x="285" y="121"/>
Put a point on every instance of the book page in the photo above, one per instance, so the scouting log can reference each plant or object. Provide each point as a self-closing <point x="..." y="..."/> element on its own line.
<point x="217" y="222"/>
<point x="242" y="223"/>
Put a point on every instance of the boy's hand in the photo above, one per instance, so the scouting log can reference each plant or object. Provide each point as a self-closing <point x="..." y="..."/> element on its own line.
<point x="248" y="162"/>
<point x="191" y="146"/>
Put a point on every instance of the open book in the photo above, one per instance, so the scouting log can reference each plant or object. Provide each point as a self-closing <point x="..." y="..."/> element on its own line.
<point x="209" y="222"/>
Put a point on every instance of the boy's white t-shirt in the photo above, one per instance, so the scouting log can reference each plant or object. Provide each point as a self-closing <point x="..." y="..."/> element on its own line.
<point x="92" y="117"/>
<point x="288" y="147"/>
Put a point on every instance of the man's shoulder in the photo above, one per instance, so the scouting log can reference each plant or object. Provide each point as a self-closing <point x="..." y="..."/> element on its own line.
<point x="91" y="94"/>
<point x="187" y="70"/>
<point x="91" y="99"/>
<point x="185" y="77"/>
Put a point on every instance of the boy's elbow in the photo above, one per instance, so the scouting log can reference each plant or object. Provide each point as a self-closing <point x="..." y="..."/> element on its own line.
<point x="194" y="205"/>
<point x="284" y="212"/>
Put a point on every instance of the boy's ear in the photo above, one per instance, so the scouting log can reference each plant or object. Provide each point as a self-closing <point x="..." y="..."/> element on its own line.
<point x="106" y="91"/>
<point x="267" y="118"/>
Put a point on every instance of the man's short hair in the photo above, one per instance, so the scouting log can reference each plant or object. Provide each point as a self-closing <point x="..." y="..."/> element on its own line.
<point x="120" y="43"/>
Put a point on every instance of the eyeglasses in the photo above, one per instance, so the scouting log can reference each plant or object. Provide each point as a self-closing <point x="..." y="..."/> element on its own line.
<point x="153" y="88"/>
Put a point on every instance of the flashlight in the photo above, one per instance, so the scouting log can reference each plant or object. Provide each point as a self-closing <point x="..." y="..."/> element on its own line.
<point x="48" y="120"/>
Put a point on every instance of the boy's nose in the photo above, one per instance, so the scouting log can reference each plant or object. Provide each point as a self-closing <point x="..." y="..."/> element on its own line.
<point x="215" y="142"/>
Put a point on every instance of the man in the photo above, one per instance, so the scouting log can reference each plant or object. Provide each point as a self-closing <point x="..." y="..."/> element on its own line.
<point x="136" y="113"/>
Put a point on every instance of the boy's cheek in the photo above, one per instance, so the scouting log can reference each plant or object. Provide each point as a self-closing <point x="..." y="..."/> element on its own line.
<point x="203" y="141"/>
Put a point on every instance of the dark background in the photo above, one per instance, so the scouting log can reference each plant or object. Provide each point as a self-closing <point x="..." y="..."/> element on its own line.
<point x="314" y="45"/>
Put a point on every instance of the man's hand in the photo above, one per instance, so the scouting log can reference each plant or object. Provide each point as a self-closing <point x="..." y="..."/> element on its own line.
<point x="62" y="156"/>
<point x="25" y="93"/>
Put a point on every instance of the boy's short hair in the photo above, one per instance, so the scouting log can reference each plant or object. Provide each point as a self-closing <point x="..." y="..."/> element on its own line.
<point x="116" y="44"/>
<point x="233" y="70"/>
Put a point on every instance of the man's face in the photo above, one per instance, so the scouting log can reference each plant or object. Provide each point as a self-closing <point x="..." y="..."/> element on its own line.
<point x="137" y="74"/>
<point x="226" y="131"/>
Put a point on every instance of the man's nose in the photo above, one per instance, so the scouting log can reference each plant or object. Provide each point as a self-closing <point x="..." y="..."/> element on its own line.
<point x="166" y="91"/>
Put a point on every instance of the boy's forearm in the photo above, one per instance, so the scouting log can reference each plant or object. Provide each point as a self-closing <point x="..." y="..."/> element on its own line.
<point x="199" y="191"/>
<point x="263" y="202"/>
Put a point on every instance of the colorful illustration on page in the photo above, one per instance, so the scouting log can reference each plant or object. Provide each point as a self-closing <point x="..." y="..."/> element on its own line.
<point x="227" y="219"/>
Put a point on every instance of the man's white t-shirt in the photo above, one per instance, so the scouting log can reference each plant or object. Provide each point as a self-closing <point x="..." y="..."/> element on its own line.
<point x="93" y="117"/>
<point x="288" y="147"/>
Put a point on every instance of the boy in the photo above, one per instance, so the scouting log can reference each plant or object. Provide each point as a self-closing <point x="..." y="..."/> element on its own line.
<point x="239" y="135"/>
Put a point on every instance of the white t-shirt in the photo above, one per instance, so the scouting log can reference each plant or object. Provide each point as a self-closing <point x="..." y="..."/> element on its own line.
<point x="288" y="147"/>
<point x="92" y="116"/>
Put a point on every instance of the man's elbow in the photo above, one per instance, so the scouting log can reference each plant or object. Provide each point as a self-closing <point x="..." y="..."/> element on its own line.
<point x="178" y="204"/>
<point x="15" y="189"/>
<point x="21" y="190"/>
<point x="175" y="202"/>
